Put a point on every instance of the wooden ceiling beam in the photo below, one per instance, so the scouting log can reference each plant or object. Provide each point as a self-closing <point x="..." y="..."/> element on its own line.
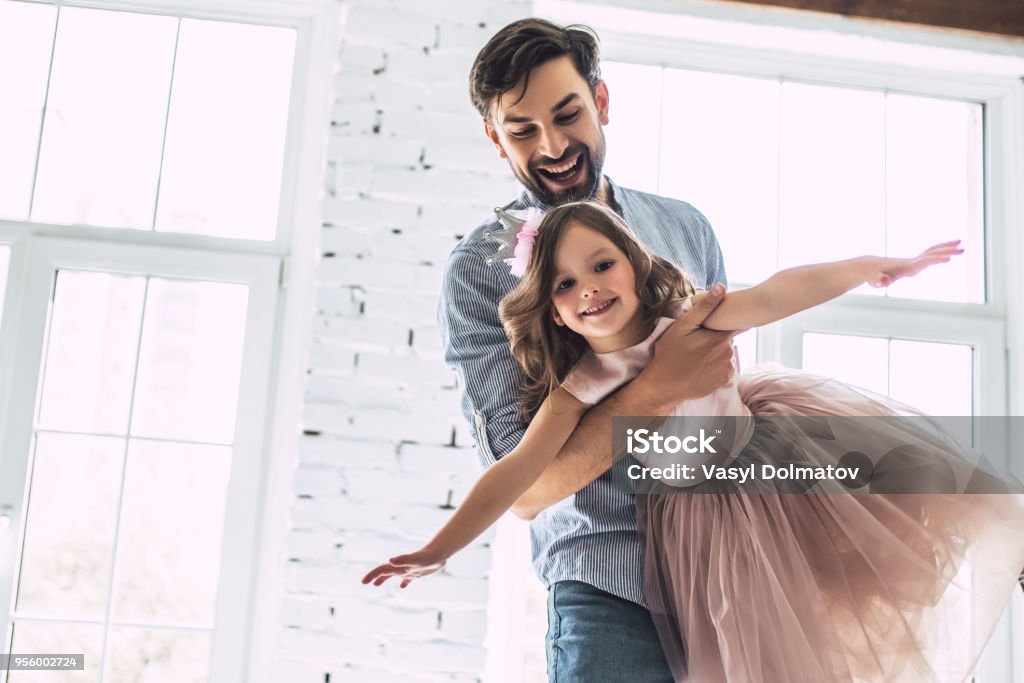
<point x="1003" y="17"/>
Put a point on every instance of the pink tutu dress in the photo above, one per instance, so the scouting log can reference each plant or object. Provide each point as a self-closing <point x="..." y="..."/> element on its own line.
<point x="770" y="587"/>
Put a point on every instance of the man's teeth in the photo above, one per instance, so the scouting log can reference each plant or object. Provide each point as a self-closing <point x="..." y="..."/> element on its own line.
<point x="601" y="307"/>
<point x="564" y="168"/>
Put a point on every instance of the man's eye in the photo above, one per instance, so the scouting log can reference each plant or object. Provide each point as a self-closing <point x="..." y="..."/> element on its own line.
<point x="604" y="265"/>
<point x="564" y="284"/>
<point x="569" y="118"/>
<point x="524" y="133"/>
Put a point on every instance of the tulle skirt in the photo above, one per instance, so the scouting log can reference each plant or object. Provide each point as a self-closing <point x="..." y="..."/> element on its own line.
<point x="816" y="588"/>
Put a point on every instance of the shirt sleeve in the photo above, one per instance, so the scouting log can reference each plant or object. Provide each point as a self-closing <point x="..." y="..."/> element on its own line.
<point x="475" y="346"/>
<point x="713" y="255"/>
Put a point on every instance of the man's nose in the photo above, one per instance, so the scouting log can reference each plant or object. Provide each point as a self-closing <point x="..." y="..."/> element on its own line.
<point x="553" y="143"/>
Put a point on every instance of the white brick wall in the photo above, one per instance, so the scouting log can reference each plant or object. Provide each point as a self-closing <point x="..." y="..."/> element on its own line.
<point x="385" y="453"/>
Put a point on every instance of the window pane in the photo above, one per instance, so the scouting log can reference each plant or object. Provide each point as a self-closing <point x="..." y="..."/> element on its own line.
<point x="791" y="173"/>
<point x="720" y="141"/>
<point x="69" y="536"/>
<point x="934" y="378"/>
<point x="746" y="348"/>
<point x="90" y="357"/>
<point x="172" y="524"/>
<point x="26" y="36"/>
<point x="226" y="132"/>
<point x="158" y="656"/>
<point x="42" y="637"/>
<point x="100" y="155"/>
<point x="190" y="361"/>
<point x="635" y="124"/>
<point x="935" y="190"/>
<point x="860" y="361"/>
<point x="832" y="185"/>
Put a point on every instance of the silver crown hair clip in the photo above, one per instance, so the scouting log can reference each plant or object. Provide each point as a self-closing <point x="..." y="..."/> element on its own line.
<point x="507" y="235"/>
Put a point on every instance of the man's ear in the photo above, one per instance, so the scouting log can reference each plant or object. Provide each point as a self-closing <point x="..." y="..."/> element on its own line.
<point x="557" y="318"/>
<point x="492" y="135"/>
<point x="601" y="99"/>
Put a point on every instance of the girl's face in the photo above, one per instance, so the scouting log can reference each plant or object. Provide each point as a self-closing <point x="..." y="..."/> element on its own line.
<point x="594" y="290"/>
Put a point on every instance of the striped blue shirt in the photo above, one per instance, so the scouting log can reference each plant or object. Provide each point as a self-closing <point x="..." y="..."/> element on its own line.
<point x="590" y="536"/>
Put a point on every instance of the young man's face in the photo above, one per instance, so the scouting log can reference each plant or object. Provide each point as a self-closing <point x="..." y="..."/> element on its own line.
<point x="552" y="135"/>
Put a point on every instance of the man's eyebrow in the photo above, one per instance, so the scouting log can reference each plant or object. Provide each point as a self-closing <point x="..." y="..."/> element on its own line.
<point x="564" y="101"/>
<point x="561" y="103"/>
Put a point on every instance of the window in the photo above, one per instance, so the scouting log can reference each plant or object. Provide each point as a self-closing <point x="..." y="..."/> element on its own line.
<point x="790" y="172"/>
<point x="198" y="131"/>
<point x="146" y="213"/>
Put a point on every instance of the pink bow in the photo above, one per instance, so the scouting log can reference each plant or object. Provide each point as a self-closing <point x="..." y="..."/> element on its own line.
<point x="524" y="241"/>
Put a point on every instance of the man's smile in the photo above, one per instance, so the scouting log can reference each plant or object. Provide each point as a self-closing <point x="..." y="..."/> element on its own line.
<point x="566" y="173"/>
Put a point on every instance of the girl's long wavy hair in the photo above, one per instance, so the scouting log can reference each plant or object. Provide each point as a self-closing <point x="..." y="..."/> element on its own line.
<point x="547" y="352"/>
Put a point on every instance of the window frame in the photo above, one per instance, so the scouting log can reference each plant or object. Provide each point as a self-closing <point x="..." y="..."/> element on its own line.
<point x="280" y="274"/>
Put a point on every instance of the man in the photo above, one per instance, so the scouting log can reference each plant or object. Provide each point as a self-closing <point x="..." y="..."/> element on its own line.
<point x="538" y="88"/>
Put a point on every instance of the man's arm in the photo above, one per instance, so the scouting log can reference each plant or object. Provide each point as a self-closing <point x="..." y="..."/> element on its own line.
<point x="698" y="361"/>
<point x="476" y="347"/>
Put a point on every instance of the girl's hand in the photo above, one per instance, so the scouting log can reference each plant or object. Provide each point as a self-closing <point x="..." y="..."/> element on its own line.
<point x="883" y="271"/>
<point x="412" y="566"/>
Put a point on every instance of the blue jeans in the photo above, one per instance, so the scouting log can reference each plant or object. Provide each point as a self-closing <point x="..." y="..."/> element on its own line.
<point x="596" y="637"/>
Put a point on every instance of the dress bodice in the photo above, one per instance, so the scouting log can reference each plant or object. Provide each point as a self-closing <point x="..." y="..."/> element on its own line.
<point x="597" y="375"/>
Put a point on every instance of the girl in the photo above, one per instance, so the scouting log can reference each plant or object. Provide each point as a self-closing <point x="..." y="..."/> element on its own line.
<point x="759" y="587"/>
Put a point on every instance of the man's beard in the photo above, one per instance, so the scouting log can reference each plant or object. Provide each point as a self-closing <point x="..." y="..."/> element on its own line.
<point x="593" y="165"/>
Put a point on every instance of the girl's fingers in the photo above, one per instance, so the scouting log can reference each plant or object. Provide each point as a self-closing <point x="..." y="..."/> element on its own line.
<point x="952" y="247"/>
<point x="949" y="250"/>
<point x="380" y="574"/>
<point x="374" y="573"/>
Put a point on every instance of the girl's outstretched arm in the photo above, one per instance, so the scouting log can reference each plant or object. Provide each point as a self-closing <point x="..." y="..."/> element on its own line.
<point x="796" y="289"/>
<point x="495" y="492"/>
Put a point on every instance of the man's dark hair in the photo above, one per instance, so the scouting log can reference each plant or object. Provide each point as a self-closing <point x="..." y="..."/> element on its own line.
<point x="514" y="51"/>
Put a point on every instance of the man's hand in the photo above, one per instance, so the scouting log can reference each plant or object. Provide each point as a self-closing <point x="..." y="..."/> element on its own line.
<point x="690" y="361"/>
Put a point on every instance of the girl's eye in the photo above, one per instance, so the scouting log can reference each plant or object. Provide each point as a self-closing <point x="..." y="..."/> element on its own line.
<point x="603" y="266"/>
<point x="564" y="284"/>
<point x="569" y="118"/>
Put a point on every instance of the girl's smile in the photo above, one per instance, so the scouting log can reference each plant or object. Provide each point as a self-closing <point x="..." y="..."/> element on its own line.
<point x="599" y="308"/>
